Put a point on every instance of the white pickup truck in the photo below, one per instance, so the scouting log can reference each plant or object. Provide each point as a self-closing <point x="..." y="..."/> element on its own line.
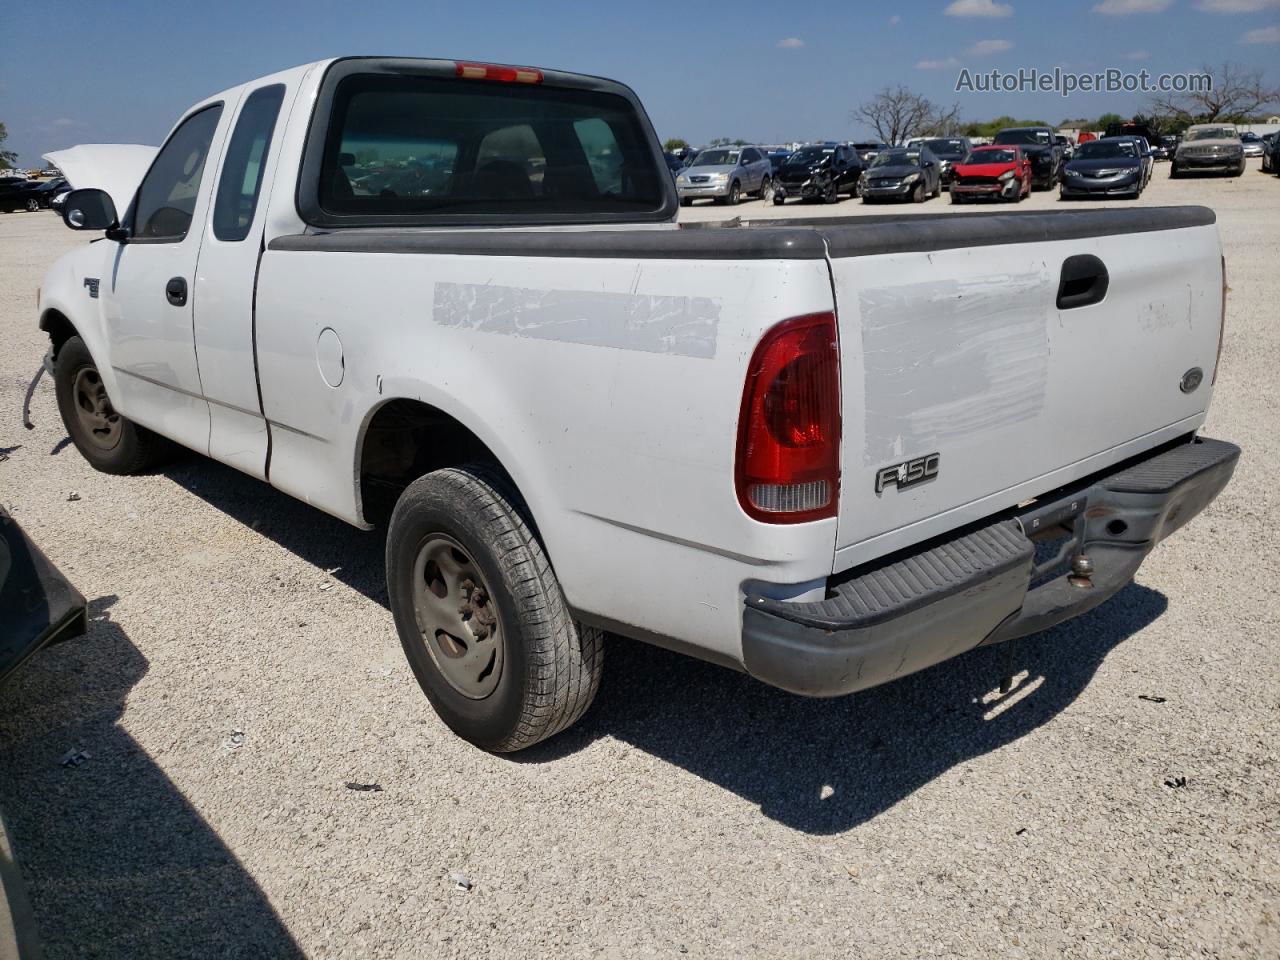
<point x="453" y="299"/>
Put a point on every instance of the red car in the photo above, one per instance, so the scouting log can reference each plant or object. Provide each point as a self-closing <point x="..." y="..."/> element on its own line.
<point x="1000" y="172"/>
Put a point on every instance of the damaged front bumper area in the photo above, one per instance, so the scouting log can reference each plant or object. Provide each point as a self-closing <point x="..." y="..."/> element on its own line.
<point x="983" y="585"/>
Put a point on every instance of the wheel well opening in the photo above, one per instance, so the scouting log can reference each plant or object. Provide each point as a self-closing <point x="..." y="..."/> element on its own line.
<point x="59" y="328"/>
<point x="405" y="440"/>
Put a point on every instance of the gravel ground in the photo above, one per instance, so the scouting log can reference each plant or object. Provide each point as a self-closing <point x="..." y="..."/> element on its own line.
<point x="242" y="670"/>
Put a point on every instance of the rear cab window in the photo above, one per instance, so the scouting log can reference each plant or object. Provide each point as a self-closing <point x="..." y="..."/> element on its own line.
<point x="419" y="150"/>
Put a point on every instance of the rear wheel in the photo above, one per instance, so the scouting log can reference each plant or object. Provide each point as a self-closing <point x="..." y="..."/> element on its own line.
<point x="955" y="197"/>
<point x="111" y="443"/>
<point x="481" y="616"/>
<point x="686" y="201"/>
<point x="778" y="199"/>
<point x="1174" y="172"/>
<point x="33" y="205"/>
<point x="766" y="189"/>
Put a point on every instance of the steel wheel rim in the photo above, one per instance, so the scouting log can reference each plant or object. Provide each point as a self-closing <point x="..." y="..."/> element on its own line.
<point x="456" y="617"/>
<point x="99" y="420"/>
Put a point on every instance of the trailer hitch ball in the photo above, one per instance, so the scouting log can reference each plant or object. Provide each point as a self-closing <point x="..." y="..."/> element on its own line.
<point x="1081" y="571"/>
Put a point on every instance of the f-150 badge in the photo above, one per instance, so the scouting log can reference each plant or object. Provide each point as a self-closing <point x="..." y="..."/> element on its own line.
<point x="908" y="474"/>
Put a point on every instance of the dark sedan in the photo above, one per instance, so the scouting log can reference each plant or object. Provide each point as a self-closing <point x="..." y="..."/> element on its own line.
<point x="949" y="151"/>
<point x="902" y="174"/>
<point x="11" y="193"/>
<point x="1103" y="168"/>
<point x="42" y="193"/>
<point x="1041" y="149"/>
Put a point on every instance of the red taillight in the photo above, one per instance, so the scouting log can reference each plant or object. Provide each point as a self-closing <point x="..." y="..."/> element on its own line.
<point x="490" y="71"/>
<point x="788" y="466"/>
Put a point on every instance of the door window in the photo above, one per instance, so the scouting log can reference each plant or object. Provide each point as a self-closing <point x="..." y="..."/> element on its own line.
<point x="166" y="200"/>
<point x="246" y="158"/>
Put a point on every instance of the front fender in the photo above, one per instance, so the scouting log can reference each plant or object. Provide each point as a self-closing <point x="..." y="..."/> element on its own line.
<point x="67" y="294"/>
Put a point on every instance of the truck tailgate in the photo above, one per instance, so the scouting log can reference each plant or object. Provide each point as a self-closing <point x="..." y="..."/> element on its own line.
<point x="953" y="343"/>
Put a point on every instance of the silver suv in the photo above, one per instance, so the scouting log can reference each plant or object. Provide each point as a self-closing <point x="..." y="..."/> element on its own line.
<point x="725" y="174"/>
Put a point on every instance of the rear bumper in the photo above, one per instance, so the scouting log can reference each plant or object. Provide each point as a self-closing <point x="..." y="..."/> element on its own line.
<point x="983" y="586"/>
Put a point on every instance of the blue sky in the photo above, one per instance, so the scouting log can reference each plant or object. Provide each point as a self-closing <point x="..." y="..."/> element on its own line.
<point x="766" y="71"/>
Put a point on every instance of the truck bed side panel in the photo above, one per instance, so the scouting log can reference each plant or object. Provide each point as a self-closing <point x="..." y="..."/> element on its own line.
<point x="608" y="387"/>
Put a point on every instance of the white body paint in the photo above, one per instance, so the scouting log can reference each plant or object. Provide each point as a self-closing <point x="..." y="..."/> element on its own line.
<point x="610" y="389"/>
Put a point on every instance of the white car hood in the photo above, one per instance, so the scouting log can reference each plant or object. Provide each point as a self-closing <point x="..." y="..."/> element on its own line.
<point x="117" y="168"/>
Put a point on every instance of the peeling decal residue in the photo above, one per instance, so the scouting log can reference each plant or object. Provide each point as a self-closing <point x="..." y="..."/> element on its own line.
<point x="947" y="359"/>
<point x="651" y="323"/>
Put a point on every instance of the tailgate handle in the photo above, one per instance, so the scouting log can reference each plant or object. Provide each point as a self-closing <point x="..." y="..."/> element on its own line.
<point x="1084" y="281"/>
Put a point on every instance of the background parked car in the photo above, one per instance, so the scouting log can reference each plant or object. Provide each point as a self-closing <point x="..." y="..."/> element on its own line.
<point x="1209" y="148"/>
<point x="40" y="193"/>
<point x="1041" y="149"/>
<point x="1252" y="143"/>
<point x="11" y="190"/>
<point x="900" y="174"/>
<point x="949" y="151"/>
<point x="1271" y="157"/>
<point x="724" y="174"/>
<point x="1144" y="154"/>
<point x="819" y="171"/>
<point x="777" y="158"/>
<point x="1111" y="167"/>
<point x="867" y="149"/>
<point x="1001" y="173"/>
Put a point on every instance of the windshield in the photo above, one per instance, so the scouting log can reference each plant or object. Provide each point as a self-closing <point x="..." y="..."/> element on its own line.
<point x="950" y="147"/>
<point x="1212" y="133"/>
<point x="716" y="158"/>
<point x="810" y="154"/>
<point x="991" y="156"/>
<point x="1105" y="149"/>
<point x="1022" y="136"/>
<point x="896" y="158"/>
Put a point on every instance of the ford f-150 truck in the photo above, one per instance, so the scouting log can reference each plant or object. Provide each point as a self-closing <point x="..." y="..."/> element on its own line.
<point x="453" y="299"/>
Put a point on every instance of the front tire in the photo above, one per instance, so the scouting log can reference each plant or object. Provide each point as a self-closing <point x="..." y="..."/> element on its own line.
<point x="766" y="190"/>
<point x="918" y="194"/>
<point x="481" y="616"/>
<point x="33" y="205"/>
<point x="111" y="443"/>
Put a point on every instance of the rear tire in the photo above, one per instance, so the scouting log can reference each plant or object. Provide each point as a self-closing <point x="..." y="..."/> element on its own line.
<point x="33" y="205"/>
<point x="686" y="201"/>
<point x="766" y="189"/>
<point x="110" y="442"/>
<point x="513" y="668"/>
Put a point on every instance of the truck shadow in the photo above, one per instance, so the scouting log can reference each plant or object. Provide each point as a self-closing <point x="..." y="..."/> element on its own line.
<point x="116" y="862"/>
<point x="826" y="766"/>
<point x="818" y="766"/>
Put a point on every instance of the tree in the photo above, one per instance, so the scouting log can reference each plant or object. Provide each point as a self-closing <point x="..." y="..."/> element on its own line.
<point x="1107" y="119"/>
<point x="945" y="122"/>
<point x="895" y="113"/>
<point x="675" y="143"/>
<point x="989" y="128"/>
<point x="1236" y="93"/>
<point x="7" y="157"/>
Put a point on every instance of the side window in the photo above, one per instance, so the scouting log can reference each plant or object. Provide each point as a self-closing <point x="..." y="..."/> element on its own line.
<point x="246" y="158"/>
<point x="167" y="198"/>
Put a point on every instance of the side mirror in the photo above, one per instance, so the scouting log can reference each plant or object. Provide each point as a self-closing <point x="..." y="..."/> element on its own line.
<point x="89" y="210"/>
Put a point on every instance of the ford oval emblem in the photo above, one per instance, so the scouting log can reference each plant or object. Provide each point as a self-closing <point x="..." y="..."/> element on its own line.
<point x="1191" y="380"/>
